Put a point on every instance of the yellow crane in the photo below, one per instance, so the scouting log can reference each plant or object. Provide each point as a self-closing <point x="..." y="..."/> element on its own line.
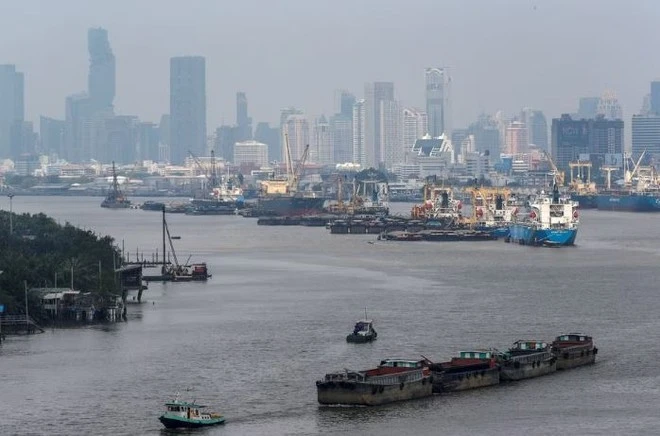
<point x="558" y="175"/>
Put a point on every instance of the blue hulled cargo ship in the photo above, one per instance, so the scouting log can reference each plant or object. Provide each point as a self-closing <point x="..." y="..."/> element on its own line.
<point x="552" y="221"/>
<point x="630" y="202"/>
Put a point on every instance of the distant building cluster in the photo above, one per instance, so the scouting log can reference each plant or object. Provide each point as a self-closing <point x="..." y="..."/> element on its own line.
<point x="371" y="130"/>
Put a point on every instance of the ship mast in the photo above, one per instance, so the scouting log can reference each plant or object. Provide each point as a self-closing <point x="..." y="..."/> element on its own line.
<point x="115" y="183"/>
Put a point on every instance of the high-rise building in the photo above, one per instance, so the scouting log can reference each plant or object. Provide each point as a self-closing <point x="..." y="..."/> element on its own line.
<point x="271" y="137"/>
<point x="225" y="139"/>
<point x="12" y="109"/>
<point x="359" y="133"/>
<point x="438" y="106"/>
<point x="414" y="125"/>
<point x="392" y="151"/>
<point x="486" y="136"/>
<point x="284" y="116"/>
<point x="588" y="107"/>
<point x="605" y="137"/>
<point x="101" y="79"/>
<point x="297" y="129"/>
<point x="77" y="135"/>
<point x="243" y="121"/>
<point x="537" y="128"/>
<point x="322" y="147"/>
<point x="517" y="141"/>
<point x="148" y="141"/>
<point x="341" y="130"/>
<point x="609" y="106"/>
<point x="458" y="137"/>
<point x="250" y="153"/>
<point x="187" y="107"/>
<point x="655" y="97"/>
<point x="646" y="134"/>
<point x="164" y="138"/>
<point x="375" y="93"/>
<point x="51" y="133"/>
<point x="346" y="102"/>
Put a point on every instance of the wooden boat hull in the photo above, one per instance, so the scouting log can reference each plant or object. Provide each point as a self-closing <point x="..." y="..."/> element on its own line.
<point x="367" y="394"/>
<point x="461" y="381"/>
<point x="572" y="358"/>
<point x="512" y="371"/>
<point x="180" y="422"/>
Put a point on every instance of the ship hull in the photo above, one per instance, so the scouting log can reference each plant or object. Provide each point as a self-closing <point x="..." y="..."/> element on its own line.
<point x="512" y="371"/>
<point x="586" y="201"/>
<point x="367" y="394"/>
<point x="530" y="235"/>
<point x="573" y="357"/>
<point x="290" y="206"/>
<point x="629" y="203"/>
<point x="177" y="422"/>
<point x="465" y="380"/>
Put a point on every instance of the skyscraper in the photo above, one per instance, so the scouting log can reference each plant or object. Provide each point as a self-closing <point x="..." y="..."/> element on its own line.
<point x="346" y="102"/>
<point x="51" y="132"/>
<point x="297" y="129"/>
<point x="374" y="94"/>
<point x="77" y="134"/>
<point x="359" y="133"/>
<point x="646" y="134"/>
<point x="341" y="128"/>
<point x="609" y="106"/>
<point x="322" y="151"/>
<point x="655" y="97"/>
<point x="101" y="79"/>
<point x="437" y="101"/>
<point x="516" y="138"/>
<point x="537" y="128"/>
<point x="243" y="122"/>
<point x="271" y="137"/>
<point x="588" y="108"/>
<point x="414" y="126"/>
<point x="12" y="109"/>
<point x="187" y="107"/>
<point x="390" y="133"/>
<point x="284" y="116"/>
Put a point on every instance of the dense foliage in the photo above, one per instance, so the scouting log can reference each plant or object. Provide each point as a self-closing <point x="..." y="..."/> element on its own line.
<point x="39" y="250"/>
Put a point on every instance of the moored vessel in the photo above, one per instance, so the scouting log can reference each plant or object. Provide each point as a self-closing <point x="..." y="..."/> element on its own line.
<point x="527" y="359"/>
<point x="470" y="370"/>
<point x="574" y="349"/>
<point x="115" y="198"/>
<point x="393" y="380"/>
<point x="182" y="414"/>
<point x="553" y="221"/>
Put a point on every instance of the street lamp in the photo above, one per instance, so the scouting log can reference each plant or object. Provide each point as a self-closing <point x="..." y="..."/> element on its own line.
<point x="11" y="213"/>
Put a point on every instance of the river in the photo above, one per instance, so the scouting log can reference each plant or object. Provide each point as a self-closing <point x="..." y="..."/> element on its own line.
<point x="252" y="340"/>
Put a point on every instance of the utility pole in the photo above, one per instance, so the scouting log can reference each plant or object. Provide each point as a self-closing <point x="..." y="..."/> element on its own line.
<point x="11" y="213"/>
<point x="27" y="315"/>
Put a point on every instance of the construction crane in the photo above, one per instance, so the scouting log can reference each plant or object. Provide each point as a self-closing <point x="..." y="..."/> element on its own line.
<point x="628" y="176"/>
<point x="300" y="168"/>
<point x="558" y="175"/>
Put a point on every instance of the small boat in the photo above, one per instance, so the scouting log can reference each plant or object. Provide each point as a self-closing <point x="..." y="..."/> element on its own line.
<point x="527" y="359"/>
<point x="470" y="370"/>
<point x="362" y="332"/>
<point x="393" y="380"/>
<point x="574" y="349"/>
<point x="181" y="414"/>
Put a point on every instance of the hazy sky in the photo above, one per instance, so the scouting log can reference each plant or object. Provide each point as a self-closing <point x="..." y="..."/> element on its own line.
<point x="503" y="54"/>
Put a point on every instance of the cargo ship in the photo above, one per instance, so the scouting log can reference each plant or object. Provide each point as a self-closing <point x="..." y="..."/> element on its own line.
<point x="527" y="359"/>
<point x="574" y="349"/>
<point x="470" y="370"/>
<point x="552" y="221"/>
<point x="440" y="209"/>
<point x="115" y="198"/>
<point x="629" y="201"/>
<point x="281" y="197"/>
<point x="393" y="380"/>
<point x="581" y="188"/>
<point x="493" y="210"/>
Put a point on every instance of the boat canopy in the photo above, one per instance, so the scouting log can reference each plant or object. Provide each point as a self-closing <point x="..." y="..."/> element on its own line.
<point x="475" y="354"/>
<point x="401" y="363"/>
<point x="574" y="337"/>
<point x="529" y="345"/>
<point x="184" y="404"/>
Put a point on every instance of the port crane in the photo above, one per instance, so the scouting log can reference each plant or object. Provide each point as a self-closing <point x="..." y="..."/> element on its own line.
<point x="556" y="174"/>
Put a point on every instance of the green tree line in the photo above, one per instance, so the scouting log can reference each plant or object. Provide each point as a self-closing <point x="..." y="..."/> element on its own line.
<point x="39" y="250"/>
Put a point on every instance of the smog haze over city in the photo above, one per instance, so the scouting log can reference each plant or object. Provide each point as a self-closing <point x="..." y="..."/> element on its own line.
<point x="502" y="55"/>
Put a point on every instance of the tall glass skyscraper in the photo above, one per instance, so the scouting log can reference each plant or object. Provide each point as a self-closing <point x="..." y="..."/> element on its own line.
<point x="12" y="112"/>
<point x="187" y="107"/>
<point x="437" y="101"/>
<point x="101" y="79"/>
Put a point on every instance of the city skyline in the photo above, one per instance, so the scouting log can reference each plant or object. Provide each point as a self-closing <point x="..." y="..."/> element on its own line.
<point x="484" y="78"/>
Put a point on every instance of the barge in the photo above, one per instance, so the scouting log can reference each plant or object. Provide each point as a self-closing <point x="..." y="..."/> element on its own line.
<point x="574" y="349"/>
<point x="527" y="359"/>
<point x="470" y="370"/>
<point x="393" y="380"/>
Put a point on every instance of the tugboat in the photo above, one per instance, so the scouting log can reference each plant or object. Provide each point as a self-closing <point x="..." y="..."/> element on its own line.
<point x="574" y="349"/>
<point x="181" y="414"/>
<point x="393" y="380"/>
<point x="363" y="331"/>
<point x="470" y="370"/>
<point x="553" y="221"/>
<point x="527" y="359"/>
<point x="115" y="198"/>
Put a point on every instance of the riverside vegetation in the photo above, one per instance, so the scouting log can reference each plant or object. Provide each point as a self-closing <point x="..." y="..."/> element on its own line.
<point x="44" y="254"/>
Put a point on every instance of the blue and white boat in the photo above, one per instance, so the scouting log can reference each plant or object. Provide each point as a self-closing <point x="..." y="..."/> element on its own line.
<point x="553" y="221"/>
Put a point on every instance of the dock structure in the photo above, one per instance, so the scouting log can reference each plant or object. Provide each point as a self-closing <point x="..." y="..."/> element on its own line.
<point x="19" y="324"/>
